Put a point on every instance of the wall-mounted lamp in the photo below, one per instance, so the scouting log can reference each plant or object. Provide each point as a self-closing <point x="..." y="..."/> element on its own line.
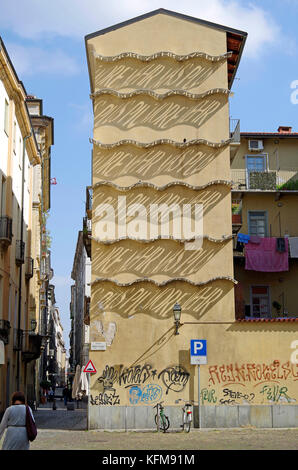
<point x="177" y="316"/>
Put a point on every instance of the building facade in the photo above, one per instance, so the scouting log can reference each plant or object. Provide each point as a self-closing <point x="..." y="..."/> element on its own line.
<point x="25" y="141"/>
<point x="19" y="156"/>
<point x="79" y="307"/>
<point x="264" y="199"/>
<point x="162" y="142"/>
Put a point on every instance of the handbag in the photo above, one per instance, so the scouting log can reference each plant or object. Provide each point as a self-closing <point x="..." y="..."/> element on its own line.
<point x="30" y="425"/>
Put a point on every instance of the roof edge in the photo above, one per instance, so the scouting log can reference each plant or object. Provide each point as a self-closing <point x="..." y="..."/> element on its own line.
<point x="165" y="12"/>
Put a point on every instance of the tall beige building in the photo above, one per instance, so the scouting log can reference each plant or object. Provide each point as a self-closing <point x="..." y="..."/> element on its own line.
<point x="21" y="338"/>
<point x="162" y="146"/>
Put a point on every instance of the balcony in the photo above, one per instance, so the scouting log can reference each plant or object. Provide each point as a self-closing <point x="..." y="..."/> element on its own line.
<point x="89" y="195"/>
<point x="29" y="270"/>
<point x="4" y="331"/>
<point x="234" y="136"/>
<point x="32" y="348"/>
<point x="86" y="235"/>
<point x="5" y="231"/>
<point x="244" y="180"/>
<point x="20" y="252"/>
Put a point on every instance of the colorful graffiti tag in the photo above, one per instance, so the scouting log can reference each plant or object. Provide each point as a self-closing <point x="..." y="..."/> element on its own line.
<point x="149" y="394"/>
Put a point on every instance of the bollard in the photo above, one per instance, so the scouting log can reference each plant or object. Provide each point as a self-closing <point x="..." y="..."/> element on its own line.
<point x="54" y="404"/>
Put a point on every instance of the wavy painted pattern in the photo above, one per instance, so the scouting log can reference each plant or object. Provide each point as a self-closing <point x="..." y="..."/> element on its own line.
<point x="136" y="143"/>
<point x="161" y="54"/>
<point x="146" y="184"/>
<point x="160" y="96"/>
<point x="164" y="283"/>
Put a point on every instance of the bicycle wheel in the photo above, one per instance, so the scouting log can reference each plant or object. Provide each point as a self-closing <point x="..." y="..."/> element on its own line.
<point x="186" y="425"/>
<point x="164" y="422"/>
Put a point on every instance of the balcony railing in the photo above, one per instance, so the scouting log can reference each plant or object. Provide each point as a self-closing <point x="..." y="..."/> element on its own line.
<point x="4" y="331"/>
<point x="20" y="252"/>
<point x="86" y="235"/>
<point x="263" y="180"/>
<point x="235" y="130"/>
<point x="89" y="195"/>
<point x="5" y="231"/>
<point x="29" y="268"/>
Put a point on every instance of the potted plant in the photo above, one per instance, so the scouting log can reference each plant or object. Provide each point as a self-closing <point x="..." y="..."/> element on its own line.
<point x="277" y="307"/>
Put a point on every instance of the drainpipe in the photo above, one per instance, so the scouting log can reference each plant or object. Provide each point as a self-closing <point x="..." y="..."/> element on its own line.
<point x="20" y="268"/>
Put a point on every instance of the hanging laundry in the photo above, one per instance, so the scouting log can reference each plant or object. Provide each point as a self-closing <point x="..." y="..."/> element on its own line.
<point x="264" y="257"/>
<point x="255" y="239"/>
<point x="293" y="242"/>
<point x="243" y="238"/>
<point x="281" y="245"/>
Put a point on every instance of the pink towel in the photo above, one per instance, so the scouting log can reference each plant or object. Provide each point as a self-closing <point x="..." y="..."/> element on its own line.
<point x="264" y="256"/>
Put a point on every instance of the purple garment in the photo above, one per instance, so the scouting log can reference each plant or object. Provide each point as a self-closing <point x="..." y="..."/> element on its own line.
<point x="264" y="256"/>
<point x="255" y="239"/>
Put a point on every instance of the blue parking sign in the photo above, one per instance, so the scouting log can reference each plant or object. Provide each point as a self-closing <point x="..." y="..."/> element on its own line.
<point x="198" y="351"/>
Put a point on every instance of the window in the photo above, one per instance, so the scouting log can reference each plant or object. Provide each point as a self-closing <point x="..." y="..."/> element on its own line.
<point x="3" y="196"/>
<point x="255" y="163"/>
<point x="257" y="223"/>
<point x="6" y="117"/>
<point x="260" y="302"/>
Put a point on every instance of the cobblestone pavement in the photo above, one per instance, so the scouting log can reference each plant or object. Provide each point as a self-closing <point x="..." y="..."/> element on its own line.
<point x="61" y="418"/>
<point x="205" y="439"/>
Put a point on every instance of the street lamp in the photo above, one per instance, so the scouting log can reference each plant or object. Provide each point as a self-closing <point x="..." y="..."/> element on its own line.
<point x="177" y="316"/>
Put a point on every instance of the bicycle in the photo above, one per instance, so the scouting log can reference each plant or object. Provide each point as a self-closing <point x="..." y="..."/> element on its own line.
<point x="186" y="415"/>
<point x="164" y="422"/>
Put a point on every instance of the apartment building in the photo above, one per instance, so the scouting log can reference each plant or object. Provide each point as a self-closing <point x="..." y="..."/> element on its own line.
<point x="19" y="156"/>
<point x="25" y="198"/>
<point x="160" y="86"/>
<point x="79" y="307"/>
<point x="264" y="201"/>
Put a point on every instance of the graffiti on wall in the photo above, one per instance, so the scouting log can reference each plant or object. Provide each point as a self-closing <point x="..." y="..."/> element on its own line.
<point x="276" y="371"/>
<point x="276" y="394"/>
<point x="140" y="380"/>
<point x="149" y="394"/>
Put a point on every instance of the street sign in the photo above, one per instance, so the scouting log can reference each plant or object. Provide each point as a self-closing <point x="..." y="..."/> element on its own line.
<point x="198" y="351"/>
<point x="90" y="368"/>
<point x="98" y="346"/>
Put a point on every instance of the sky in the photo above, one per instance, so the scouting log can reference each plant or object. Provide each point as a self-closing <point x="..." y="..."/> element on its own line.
<point x="45" y="41"/>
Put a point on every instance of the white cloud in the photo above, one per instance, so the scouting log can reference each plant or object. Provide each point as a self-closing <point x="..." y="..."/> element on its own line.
<point x="30" y="60"/>
<point x="76" y="18"/>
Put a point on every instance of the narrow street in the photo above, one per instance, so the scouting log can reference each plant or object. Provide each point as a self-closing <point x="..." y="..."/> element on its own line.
<point x="61" y="418"/>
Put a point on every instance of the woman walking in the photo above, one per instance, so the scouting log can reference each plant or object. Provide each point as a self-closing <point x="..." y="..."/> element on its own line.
<point x="14" y="420"/>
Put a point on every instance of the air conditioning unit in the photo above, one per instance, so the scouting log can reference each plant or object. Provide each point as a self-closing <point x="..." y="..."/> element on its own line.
<point x="255" y="145"/>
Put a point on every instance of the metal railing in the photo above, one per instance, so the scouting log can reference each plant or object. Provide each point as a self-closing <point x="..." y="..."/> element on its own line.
<point x="5" y="230"/>
<point x="20" y="252"/>
<point x="235" y="130"/>
<point x="29" y="267"/>
<point x="4" y="331"/>
<point x="89" y="196"/>
<point x="263" y="180"/>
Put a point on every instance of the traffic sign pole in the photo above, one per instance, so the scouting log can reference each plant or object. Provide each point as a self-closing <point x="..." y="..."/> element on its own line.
<point x="199" y="398"/>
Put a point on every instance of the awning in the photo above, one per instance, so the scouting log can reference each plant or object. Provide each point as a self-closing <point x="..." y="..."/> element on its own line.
<point x="2" y="352"/>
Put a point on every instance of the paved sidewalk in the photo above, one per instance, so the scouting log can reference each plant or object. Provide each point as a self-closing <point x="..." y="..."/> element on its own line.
<point x="205" y="439"/>
<point x="61" y="418"/>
